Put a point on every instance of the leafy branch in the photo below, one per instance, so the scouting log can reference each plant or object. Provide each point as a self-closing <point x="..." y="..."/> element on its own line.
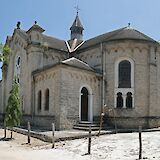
<point x="4" y="56"/>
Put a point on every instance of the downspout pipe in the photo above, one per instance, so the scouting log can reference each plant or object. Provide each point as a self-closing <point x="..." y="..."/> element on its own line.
<point x="103" y="76"/>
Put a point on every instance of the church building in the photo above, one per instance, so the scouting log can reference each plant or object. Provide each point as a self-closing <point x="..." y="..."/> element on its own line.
<point x="75" y="80"/>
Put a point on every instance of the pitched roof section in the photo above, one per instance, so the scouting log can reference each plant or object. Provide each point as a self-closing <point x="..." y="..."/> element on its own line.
<point x="77" y="23"/>
<point x="73" y="44"/>
<point x="126" y="33"/>
<point x="77" y="63"/>
<point x="54" y="43"/>
<point x="37" y="28"/>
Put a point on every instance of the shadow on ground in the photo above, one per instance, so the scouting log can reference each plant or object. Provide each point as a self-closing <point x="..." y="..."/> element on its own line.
<point x="6" y="139"/>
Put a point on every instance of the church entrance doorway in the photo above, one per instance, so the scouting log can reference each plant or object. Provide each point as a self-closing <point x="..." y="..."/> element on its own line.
<point x="84" y="104"/>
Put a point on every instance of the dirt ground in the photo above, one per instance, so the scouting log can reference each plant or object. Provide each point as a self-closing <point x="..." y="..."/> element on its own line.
<point x="124" y="146"/>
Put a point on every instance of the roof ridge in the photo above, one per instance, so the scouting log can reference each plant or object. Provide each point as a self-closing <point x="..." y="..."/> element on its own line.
<point x="144" y="35"/>
<point x="120" y="29"/>
<point x="78" y="60"/>
<point x="124" y="33"/>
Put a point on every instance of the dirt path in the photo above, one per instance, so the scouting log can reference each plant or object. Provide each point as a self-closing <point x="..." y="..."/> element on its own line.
<point x="17" y="149"/>
<point x="123" y="146"/>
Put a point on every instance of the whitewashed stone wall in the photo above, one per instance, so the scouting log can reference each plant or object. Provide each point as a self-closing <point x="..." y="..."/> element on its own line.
<point x="64" y="84"/>
<point x="139" y="54"/>
<point x="93" y="57"/>
<point x="72" y="81"/>
<point x="146" y="74"/>
<point x="49" y="79"/>
<point x="0" y="96"/>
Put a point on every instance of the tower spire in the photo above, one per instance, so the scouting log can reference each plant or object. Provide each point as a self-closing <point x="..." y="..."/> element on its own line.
<point x="77" y="27"/>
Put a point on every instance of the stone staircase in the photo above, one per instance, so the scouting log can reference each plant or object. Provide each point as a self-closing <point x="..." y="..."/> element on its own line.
<point x="84" y="125"/>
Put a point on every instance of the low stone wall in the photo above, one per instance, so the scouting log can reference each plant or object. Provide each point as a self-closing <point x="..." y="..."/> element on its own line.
<point x="154" y="122"/>
<point x="133" y="123"/>
<point x="39" y="121"/>
<point x="33" y="134"/>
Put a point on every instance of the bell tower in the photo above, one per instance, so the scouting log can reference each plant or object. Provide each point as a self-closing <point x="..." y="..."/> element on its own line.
<point x="77" y="28"/>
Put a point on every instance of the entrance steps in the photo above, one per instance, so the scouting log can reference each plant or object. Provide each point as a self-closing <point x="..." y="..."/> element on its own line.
<point x="84" y="125"/>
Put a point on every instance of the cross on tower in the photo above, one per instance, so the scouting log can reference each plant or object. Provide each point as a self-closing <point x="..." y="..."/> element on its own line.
<point x="129" y="24"/>
<point x="77" y="9"/>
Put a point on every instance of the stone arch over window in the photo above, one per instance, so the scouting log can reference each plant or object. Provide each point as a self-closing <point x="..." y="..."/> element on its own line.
<point x="46" y="100"/>
<point x="124" y="83"/>
<point x="39" y="100"/>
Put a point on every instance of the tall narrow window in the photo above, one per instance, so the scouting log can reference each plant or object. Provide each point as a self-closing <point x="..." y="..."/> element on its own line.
<point x="119" y="100"/>
<point x="47" y="99"/>
<point x="129" y="100"/>
<point x="124" y="74"/>
<point x="39" y="101"/>
<point x="124" y="83"/>
<point x="18" y="61"/>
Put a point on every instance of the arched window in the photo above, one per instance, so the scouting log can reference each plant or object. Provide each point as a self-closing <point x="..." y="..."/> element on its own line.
<point x="119" y="100"/>
<point x="47" y="99"/>
<point x="129" y="100"/>
<point x="18" y="61"/>
<point x="124" y="74"/>
<point x="124" y="83"/>
<point x="39" y="101"/>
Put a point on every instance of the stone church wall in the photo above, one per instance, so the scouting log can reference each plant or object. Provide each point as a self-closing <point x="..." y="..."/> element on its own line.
<point x="72" y="81"/>
<point x="143" y="55"/>
<point x="92" y="57"/>
<point x="158" y="80"/>
<point x="50" y="79"/>
<point x="64" y="84"/>
<point x="35" y="59"/>
<point x="143" y="79"/>
<point x="135" y="52"/>
<point x="0" y="96"/>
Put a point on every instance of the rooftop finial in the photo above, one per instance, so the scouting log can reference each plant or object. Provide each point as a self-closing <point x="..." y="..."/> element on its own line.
<point x="18" y="25"/>
<point x="129" y="24"/>
<point x="77" y="9"/>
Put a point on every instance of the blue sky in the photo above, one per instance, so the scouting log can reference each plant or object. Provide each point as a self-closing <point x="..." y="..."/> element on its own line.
<point x="97" y="16"/>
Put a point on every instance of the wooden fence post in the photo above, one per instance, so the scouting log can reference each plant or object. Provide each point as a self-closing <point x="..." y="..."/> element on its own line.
<point x="5" y="131"/>
<point x="140" y="142"/>
<point x="101" y="123"/>
<point x="89" y="140"/>
<point x="11" y="132"/>
<point x="29" y="132"/>
<point x="53" y="138"/>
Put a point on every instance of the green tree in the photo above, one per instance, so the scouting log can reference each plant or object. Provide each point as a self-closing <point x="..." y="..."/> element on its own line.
<point x="4" y="57"/>
<point x="13" y="109"/>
